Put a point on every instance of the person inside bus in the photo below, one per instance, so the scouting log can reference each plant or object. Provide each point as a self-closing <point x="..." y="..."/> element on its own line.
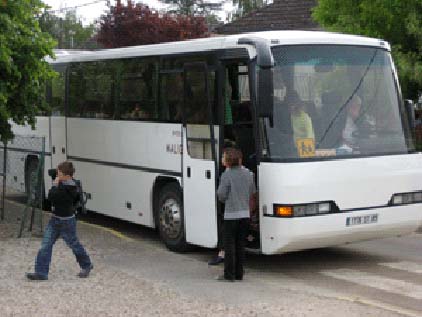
<point x="236" y="190"/>
<point x="138" y="113"/>
<point x="350" y="127"/>
<point x="356" y="123"/>
<point x="290" y="120"/>
<point x="301" y="122"/>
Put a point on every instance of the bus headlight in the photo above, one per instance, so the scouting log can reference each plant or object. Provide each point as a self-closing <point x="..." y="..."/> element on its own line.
<point x="406" y="198"/>
<point x="303" y="210"/>
<point x="324" y="208"/>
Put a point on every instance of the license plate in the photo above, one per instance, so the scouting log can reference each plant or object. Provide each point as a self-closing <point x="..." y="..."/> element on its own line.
<point x="361" y="220"/>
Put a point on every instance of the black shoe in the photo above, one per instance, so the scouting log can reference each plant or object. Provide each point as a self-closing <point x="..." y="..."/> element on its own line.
<point x="216" y="261"/>
<point x="36" y="277"/>
<point x="239" y="278"/>
<point x="84" y="273"/>
<point x="222" y="278"/>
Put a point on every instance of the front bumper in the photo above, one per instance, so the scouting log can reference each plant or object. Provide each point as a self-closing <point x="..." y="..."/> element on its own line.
<point x="280" y="235"/>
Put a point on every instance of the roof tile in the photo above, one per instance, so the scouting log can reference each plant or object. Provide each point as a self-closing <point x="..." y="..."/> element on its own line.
<point x="280" y="15"/>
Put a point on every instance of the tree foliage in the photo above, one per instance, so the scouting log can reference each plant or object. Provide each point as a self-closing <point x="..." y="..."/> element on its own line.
<point x="23" y="70"/>
<point x="205" y="8"/>
<point x="397" y="21"/>
<point x="194" y="7"/>
<point x="245" y="7"/>
<point x="137" y="24"/>
<point x="67" y="31"/>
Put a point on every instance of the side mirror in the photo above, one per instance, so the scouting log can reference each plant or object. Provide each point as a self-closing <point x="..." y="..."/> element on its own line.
<point x="265" y="87"/>
<point x="265" y="93"/>
<point x="410" y="111"/>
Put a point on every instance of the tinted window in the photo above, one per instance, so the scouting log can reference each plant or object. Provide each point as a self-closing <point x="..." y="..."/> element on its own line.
<point x="91" y="91"/>
<point x="137" y="93"/>
<point x="197" y="112"/>
<point x="57" y="99"/>
<point x="196" y="103"/>
<point x="171" y="97"/>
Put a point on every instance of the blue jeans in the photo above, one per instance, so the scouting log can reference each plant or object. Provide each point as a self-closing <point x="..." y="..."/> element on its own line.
<point x="65" y="228"/>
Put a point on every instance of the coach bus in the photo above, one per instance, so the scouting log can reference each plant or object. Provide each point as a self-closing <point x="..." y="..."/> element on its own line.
<point x="318" y="116"/>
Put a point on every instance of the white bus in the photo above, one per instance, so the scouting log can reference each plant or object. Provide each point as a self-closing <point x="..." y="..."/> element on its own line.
<point x="145" y="127"/>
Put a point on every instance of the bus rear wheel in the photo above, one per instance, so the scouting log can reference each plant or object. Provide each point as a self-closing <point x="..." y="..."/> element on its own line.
<point x="170" y="218"/>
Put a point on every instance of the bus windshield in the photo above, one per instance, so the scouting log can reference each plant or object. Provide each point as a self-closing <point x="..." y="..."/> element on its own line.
<point x="334" y="101"/>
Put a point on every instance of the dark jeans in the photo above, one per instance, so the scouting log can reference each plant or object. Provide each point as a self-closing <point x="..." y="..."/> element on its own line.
<point x="65" y="228"/>
<point x="235" y="232"/>
<point x="220" y="231"/>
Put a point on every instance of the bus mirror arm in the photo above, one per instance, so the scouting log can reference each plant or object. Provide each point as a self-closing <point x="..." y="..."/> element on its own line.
<point x="410" y="110"/>
<point x="263" y="50"/>
<point x="265" y="107"/>
<point x="265" y="63"/>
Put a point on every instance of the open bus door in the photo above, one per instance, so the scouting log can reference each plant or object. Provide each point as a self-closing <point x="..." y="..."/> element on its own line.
<point x="199" y="157"/>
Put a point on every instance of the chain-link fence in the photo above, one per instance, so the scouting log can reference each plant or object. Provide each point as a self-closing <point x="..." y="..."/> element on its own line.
<point x="22" y="178"/>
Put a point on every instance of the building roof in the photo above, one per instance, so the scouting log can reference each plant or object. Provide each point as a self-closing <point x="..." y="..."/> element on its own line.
<point x="280" y="15"/>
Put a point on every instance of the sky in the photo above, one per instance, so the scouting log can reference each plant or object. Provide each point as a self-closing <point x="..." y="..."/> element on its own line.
<point x="90" y="10"/>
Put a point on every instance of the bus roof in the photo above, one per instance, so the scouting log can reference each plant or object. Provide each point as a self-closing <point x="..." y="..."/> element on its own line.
<point x="217" y="43"/>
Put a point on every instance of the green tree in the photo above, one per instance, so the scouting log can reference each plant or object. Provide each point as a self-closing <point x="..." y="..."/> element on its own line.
<point x="397" y="21"/>
<point x="23" y="70"/>
<point x="194" y="7"/>
<point x="68" y="31"/>
<point x="245" y="7"/>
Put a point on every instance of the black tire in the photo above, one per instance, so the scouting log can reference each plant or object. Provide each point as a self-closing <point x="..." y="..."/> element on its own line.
<point x="171" y="224"/>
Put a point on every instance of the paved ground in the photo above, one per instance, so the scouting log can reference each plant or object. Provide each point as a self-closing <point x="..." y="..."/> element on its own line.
<point x="135" y="275"/>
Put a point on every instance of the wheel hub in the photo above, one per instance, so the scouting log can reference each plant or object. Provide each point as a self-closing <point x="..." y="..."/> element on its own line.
<point x="170" y="218"/>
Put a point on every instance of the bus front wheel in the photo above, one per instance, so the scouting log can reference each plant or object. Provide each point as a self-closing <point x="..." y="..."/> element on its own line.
<point x="170" y="218"/>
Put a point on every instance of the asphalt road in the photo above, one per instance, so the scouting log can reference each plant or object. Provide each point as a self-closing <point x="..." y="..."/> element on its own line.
<point x="380" y="278"/>
<point x="383" y="273"/>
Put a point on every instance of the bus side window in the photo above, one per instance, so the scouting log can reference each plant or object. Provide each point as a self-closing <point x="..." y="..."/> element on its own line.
<point x="136" y="93"/>
<point x="57" y="95"/>
<point x="171" y="97"/>
<point x="45" y="99"/>
<point x="76" y="90"/>
<point x="90" y="92"/>
<point x="197" y="113"/>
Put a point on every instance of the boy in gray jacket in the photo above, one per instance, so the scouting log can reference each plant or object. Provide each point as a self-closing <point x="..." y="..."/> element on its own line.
<point x="237" y="191"/>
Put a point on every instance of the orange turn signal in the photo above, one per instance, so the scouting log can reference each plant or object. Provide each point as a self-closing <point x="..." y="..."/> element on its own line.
<point x="283" y="211"/>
